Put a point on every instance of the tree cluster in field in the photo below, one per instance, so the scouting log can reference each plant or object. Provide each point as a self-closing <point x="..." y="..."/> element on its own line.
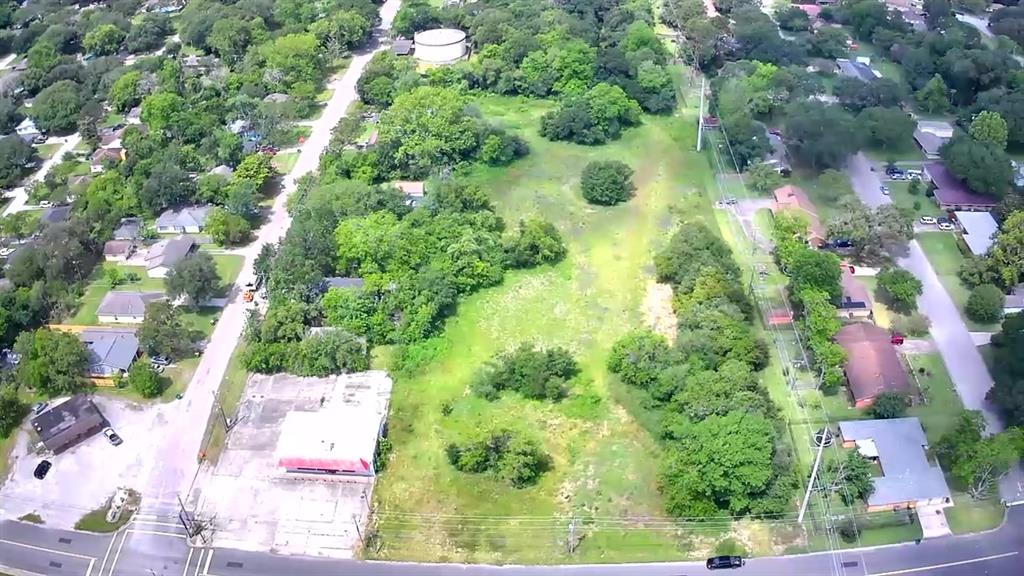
<point x="538" y="374"/>
<point x="719" y="438"/>
<point x="510" y="456"/>
<point x="1008" y="369"/>
<point x="814" y="285"/>
<point x="415" y="263"/>
<point x="607" y="182"/>
<point x="977" y="461"/>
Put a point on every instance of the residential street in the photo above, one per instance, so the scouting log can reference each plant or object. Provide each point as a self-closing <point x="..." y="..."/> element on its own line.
<point x="953" y="340"/>
<point x="171" y="473"/>
<point x="19" y="195"/>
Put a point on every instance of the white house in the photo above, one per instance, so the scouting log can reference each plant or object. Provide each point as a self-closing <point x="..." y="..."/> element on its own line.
<point x="187" y="220"/>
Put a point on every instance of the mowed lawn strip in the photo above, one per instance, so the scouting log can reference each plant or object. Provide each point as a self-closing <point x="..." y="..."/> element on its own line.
<point x="604" y="462"/>
<point x="945" y="257"/>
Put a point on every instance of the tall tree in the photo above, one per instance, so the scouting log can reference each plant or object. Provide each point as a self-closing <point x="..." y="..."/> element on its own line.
<point x="934" y="96"/>
<point x="163" y="333"/>
<point x="982" y="165"/>
<point x="820" y="135"/>
<point x="195" y="277"/>
<point x="52" y="363"/>
<point x="990" y="127"/>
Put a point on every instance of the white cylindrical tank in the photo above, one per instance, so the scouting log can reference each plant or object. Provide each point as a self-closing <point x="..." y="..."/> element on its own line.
<point x="440" y="46"/>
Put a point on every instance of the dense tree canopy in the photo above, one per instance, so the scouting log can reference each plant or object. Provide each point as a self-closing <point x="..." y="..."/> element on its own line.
<point x="607" y="182"/>
<point x="983" y="166"/>
<point x="820" y="135"/>
<point x="52" y="363"/>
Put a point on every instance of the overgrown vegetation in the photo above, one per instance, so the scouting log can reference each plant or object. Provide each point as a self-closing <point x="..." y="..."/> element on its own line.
<point x="536" y="374"/>
<point x="510" y="456"/>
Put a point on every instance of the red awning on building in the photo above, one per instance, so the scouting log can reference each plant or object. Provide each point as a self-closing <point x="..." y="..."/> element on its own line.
<point x="332" y="464"/>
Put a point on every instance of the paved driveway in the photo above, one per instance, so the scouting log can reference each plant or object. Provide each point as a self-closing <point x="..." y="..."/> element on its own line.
<point x="19" y="195"/>
<point x="954" y="342"/>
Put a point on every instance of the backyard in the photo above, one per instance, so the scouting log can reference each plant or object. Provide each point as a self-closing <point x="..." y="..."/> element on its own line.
<point x="943" y="252"/>
<point x="603" y="460"/>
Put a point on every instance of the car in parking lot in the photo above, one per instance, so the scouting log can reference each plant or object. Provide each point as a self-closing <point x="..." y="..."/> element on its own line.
<point x="41" y="469"/>
<point x="947" y="226"/>
<point x="927" y="220"/>
<point x="40" y="407"/>
<point x="720" y="562"/>
<point x="112" y="436"/>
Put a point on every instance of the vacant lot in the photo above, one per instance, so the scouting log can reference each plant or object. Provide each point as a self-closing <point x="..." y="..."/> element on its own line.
<point x="604" y="461"/>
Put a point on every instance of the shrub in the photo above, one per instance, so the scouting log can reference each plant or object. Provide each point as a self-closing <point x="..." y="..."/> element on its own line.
<point x="915" y="324"/>
<point x="890" y="405"/>
<point x="143" y="379"/>
<point x="607" y="182"/>
<point x="985" y="304"/>
<point x="899" y="288"/>
<point x="640" y="357"/>
<point x="511" y="456"/>
<point x="535" y="242"/>
<point x="534" y="373"/>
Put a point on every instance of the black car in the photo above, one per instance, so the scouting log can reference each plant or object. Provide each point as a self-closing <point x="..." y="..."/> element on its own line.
<point x="721" y="562"/>
<point x="41" y="469"/>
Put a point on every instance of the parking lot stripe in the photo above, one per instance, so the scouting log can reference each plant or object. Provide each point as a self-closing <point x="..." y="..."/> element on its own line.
<point x="124" y="536"/>
<point x="40" y="548"/>
<point x="199" y="562"/>
<point x="206" y="569"/>
<point x="155" y="523"/>
<point x="88" y="570"/>
<point x="109" y="546"/>
<point x="189" y="561"/>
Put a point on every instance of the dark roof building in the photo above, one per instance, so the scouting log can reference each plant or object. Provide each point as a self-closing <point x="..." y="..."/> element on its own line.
<point x="855" y="69"/>
<point x="68" y="424"/>
<point x="55" y="215"/>
<point x="872" y="364"/>
<point x="342" y="283"/>
<point x="128" y="229"/>
<point x="402" y="47"/>
<point x="952" y="193"/>
<point x="856" y="302"/>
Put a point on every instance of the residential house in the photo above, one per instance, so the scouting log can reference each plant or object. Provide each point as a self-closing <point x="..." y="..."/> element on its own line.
<point x="778" y="158"/>
<point x="55" y="215"/>
<point x="341" y="283"/>
<point x="872" y="364"/>
<point x="899" y="446"/>
<point x="276" y="98"/>
<point x="855" y="302"/>
<point x="118" y="250"/>
<point x="1014" y="303"/>
<point x="134" y="116"/>
<point x="68" y="424"/>
<point x="414" y="191"/>
<point x="27" y="130"/>
<point x="125" y="307"/>
<point x="165" y="254"/>
<point x="103" y="156"/>
<point x="979" y="229"/>
<point x="187" y="220"/>
<point x="79" y="183"/>
<point x="111" y="351"/>
<point x="222" y="171"/>
<point x="110" y="137"/>
<point x="951" y="193"/>
<point x="794" y="200"/>
<point x="812" y="10"/>
<point x="856" y="69"/>
<point x="931" y="135"/>
<point x="128" y="229"/>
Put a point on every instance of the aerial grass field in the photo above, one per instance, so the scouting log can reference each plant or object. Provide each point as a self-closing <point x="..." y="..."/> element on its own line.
<point x="604" y="460"/>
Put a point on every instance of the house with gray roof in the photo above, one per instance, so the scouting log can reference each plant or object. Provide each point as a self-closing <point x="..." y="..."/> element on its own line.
<point x="899" y="446"/>
<point x="186" y="220"/>
<point x="165" y="254"/>
<point x="342" y="283"/>
<point x="855" y="69"/>
<point x="55" y="215"/>
<point x="222" y="170"/>
<point x="128" y="229"/>
<point x="111" y="350"/>
<point x="125" y="307"/>
<point x="1014" y="302"/>
<point x="68" y="424"/>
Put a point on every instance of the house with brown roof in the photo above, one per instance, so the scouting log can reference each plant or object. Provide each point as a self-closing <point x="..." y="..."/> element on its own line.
<point x="872" y="364"/>
<point x="952" y="193"/>
<point x="855" y="301"/>
<point x="118" y="250"/>
<point x="795" y="201"/>
<point x="103" y="156"/>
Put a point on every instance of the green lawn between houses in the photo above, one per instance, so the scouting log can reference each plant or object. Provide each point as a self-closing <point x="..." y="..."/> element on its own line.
<point x="605" y="462"/>
<point x="943" y="251"/>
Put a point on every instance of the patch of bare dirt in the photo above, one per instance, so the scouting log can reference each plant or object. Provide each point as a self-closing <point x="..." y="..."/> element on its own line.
<point x="658" y="313"/>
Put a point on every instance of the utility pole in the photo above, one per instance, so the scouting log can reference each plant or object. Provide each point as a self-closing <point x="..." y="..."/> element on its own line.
<point x="359" y="532"/>
<point x="814" y="476"/>
<point x="700" y="118"/>
<point x="572" y="536"/>
<point x="185" y="518"/>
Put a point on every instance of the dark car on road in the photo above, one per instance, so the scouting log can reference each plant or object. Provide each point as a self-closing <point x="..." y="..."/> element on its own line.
<point x="722" y="562"/>
<point x="41" y="469"/>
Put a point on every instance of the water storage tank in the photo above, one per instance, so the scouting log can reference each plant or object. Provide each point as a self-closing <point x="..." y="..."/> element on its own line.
<point x="440" y="46"/>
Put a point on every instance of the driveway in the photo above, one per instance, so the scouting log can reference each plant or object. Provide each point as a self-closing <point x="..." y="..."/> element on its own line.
<point x="19" y="195"/>
<point x="172" y="472"/>
<point x="954" y="342"/>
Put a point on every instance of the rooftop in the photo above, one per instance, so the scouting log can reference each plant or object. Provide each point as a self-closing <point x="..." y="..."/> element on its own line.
<point x="855" y="295"/>
<point x="872" y="364"/>
<point x="114" y="348"/>
<point x="126" y="303"/>
<point x="979" y="230"/>
<point x="855" y="69"/>
<point x="794" y="198"/>
<point x="56" y="215"/>
<point x="185" y="217"/>
<point x="929" y="142"/>
<point x="342" y="282"/>
<point x="118" y="247"/>
<point x="899" y="444"/>
<point x="77" y="411"/>
<point x="951" y="191"/>
<point x="402" y="47"/>
<point x="169" y="252"/>
<point x="128" y="229"/>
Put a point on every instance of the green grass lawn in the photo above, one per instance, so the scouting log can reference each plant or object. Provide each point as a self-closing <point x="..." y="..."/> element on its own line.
<point x="604" y="462"/>
<point x="99" y="286"/>
<point x="112" y="119"/>
<point x="941" y="404"/>
<point x="228" y="266"/>
<point x="825" y="199"/>
<point x="945" y="256"/>
<point x="229" y="394"/>
<point x="96" y="521"/>
<point x="285" y="161"/>
<point x="906" y="151"/>
<point x="916" y="205"/>
<point x="46" y="151"/>
<point x="969" y="515"/>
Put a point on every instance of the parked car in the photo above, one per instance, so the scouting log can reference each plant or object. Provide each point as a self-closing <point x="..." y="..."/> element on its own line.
<point x="160" y="361"/>
<point x="915" y="173"/>
<point x="884" y="189"/>
<point x="927" y="220"/>
<point x="947" y="226"/>
<point x="40" y="407"/>
<point x="731" y="201"/>
<point x="898" y="176"/>
<point x="40" y="139"/>
<point x="46" y="204"/>
<point x="720" y="562"/>
<point x="112" y="436"/>
<point x="41" y="469"/>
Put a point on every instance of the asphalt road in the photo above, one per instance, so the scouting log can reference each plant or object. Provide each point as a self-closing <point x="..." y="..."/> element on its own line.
<point x="19" y="195"/>
<point x="172" y="473"/>
<point x="30" y="549"/>
<point x="963" y="362"/>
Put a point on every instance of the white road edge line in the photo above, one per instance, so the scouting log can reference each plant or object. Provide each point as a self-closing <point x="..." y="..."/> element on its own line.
<point x="71" y="554"/>
<point x="155" y="533"/>
<point x="206" y="569"/>
<point x="155" y="523"/>
<point x="109" y="546"/>
<point x="124" y="536"/>
<point x="188" y="561"/>
<point x="946" y="565"/>
<point x="199" y="562"/>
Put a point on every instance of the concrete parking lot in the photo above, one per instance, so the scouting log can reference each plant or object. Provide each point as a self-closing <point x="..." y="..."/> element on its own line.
<point x="254" y="504"/>
<point x="84" y="477"/>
